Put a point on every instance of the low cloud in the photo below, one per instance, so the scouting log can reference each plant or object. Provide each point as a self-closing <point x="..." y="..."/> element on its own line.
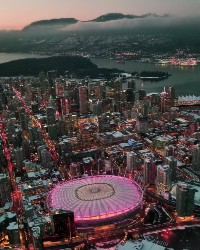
<point x="132" y="23"/>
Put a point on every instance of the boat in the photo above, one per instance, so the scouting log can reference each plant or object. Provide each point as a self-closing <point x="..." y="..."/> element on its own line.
<point x="121" y="62"/>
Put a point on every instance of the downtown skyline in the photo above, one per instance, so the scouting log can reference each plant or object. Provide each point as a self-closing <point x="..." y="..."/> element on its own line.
<point x="17" y="14"/>
<point x="99" y="124"/>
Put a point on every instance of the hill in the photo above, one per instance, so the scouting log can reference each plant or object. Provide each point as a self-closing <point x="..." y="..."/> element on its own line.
<point x="51" y="23"/>
<point x="118" y="16"/>
<point x="78" y="66"/>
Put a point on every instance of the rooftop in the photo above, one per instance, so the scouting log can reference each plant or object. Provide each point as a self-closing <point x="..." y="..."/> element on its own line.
<point x="140" y="245"/>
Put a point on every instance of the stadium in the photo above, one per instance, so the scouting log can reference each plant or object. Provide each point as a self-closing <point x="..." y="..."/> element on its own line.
<point x="97" y="200"/>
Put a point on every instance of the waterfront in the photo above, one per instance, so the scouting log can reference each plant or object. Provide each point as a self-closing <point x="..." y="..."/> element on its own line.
<point x="186" y="80"/>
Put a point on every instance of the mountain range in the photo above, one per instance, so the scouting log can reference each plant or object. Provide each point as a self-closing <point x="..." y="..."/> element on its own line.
<point x="70" y="21"/>
<point x="105" y="35"/>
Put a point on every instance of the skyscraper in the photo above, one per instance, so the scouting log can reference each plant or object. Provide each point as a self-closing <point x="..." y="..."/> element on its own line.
<point x="130" y="95"/>
<point x="46" y="158"/>
<point x="23" y="119"/>
<point x="141" y="94"/>
<point x="59" y="86"/>
<point x="130" y="161"/>
<point x="83" y="99"/>
<point x="35" y="107"/>
<point x="39" y="151"/>
<point x="61" y="127"/>
<point x="131" y="84"/>
<point x="97" y="108"/>
<point x="172" y="162"/>
<point x="18" y="155"/>
<point x="196" y="156"/>
<point x="34" y="134"/>
<point x="13" y="233"/>
<point x="169" y="151"/>
<point x="4" y="190"/>
<point x="104" y="123"/>
<point x="149" y="171"/>
<point x="170" y="92"/>
<point x="50" y="113"/>
<point x="145" y="109"/>
<point x="142" y="124"/>
<point x="163" y="99"/>
<point x="52" y="130"/>
<point x="184" y="199"/>
<point x="164" y="178"/>
<point x="63" y="105"/>
<point x="26" y="149"/>
<point x="2" y="157"/>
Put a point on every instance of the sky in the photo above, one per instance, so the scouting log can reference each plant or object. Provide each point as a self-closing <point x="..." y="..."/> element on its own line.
<point x="15" y="14"/>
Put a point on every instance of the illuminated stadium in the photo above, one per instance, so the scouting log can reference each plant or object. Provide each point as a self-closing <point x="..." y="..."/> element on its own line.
<point x="97" y="200"/>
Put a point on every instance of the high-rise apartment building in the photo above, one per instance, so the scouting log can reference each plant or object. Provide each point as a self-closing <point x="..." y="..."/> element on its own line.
<point x="131" y="84"/>
<point x="142" y="124"/>
<point x="26" y="149"/>
<point x="185" y="199"/>
<point x="34" y="134"/>
<point x="170" y="92"/>
<point x="169" y="150"/>
<point x="83" y="99"/>
<point x="23" y="119"/>
<point x="171" y="161"/>
<point x="19" y="157"/>
<point x="196" y="156"/>
<point x="51" y="115"/>
<point x="52" y="130"/>
<point x="104" y="123"/>
<point x="131" y="161"/>
<point x="59" y="86"/>
<point x="149" y="171"/>
<point x="163" y="179"/>
<point x="141" y="94"/>
<point x="39" y="151"/>
<point x="13" y="233"/>
<point x="46" y="158"/>
<point x="145" y="109"/>
<point x="4" y="190"/>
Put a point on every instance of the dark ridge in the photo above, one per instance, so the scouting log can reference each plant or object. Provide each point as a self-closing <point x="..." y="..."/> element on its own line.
<point x="112" y="17"/>
<point x="51" y="22"/>
<point x="69" y="21"/>
<point x="117" y="16"/>
<point x="77" y="66"/>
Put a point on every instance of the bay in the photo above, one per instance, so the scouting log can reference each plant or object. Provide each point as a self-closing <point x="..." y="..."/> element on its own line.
<point x="186" y="80"/>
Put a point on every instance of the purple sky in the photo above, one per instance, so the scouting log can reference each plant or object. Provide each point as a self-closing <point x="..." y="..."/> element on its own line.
<point x="15" y="14"/>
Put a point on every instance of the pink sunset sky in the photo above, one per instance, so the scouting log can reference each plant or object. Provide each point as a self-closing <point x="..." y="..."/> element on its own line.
<point x="15" y="14"/>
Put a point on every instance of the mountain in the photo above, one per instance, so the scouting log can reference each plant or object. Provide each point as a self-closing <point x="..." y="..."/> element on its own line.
<point x="117" y="16"/>
<point x="103" y="36"/>
<point x="56" y="23"/>
<point x="50" y="23"/>
<point x="112" y="16"/>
